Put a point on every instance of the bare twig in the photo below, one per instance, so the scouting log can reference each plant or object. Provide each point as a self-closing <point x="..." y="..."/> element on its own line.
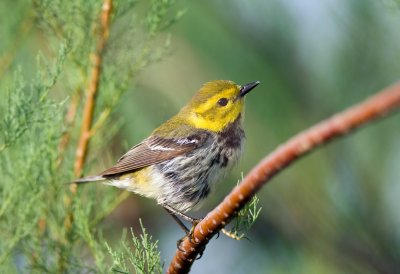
<point x="338" y="125"/>
<point x="88" y="110"/>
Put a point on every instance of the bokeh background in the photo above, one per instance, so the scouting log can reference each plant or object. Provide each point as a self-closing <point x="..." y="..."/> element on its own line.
<point x="334" y="211"/>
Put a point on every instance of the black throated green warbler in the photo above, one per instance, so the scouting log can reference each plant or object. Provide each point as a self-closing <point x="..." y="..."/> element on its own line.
<point x="182" y="159"/>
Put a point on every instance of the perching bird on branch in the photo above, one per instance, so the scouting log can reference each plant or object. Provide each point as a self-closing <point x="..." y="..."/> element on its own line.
<point x="178" y="164"/>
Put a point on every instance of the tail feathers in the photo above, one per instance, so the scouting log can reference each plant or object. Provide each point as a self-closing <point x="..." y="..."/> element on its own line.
<point x="89" y="179"/>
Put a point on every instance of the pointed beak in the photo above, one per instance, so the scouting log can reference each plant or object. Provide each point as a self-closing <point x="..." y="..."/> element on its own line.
<point x="247" y="87"/>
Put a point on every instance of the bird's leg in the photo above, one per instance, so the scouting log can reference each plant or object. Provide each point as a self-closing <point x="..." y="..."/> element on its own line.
<point x="175" y="212"/>
<point x="177" y="220"/>
<point x="189" y="233"/>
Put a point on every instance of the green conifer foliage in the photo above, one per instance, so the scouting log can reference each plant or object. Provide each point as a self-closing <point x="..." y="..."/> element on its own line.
<point x="45" y="64"/>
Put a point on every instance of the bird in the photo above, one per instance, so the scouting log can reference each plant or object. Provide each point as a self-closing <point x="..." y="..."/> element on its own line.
<point x="182" y="159"/>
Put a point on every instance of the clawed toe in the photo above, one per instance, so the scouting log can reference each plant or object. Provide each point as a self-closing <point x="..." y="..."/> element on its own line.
<point x="201" y="252"/>
<point x="178" y="244"/>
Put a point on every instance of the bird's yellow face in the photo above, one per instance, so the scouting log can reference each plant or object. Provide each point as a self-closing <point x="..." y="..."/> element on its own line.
<point x="217" y="104"/>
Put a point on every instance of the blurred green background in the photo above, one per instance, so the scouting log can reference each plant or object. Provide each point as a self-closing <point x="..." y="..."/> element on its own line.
<point x="334" y="211"/>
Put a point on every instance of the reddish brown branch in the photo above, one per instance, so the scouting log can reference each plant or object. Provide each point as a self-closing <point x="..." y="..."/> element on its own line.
<point x="338" y="125"/>
<point x="88" y="110"/>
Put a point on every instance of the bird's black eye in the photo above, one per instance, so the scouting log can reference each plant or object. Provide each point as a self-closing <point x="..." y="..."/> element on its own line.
<point x="222" y="102"/>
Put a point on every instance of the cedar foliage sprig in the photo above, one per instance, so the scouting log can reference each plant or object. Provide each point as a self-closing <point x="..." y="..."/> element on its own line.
<point x="143" y="258"/>
<point x="34" y="234"/>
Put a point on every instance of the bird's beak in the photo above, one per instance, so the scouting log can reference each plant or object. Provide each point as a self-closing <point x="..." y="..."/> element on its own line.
<point x="247" y="87"/>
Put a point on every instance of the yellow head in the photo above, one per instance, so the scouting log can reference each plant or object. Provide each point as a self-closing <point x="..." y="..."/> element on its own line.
<point x="217" y="104"/>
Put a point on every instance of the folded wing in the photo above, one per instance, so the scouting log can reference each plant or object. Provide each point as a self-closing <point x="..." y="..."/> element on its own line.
<point x="154" y="150"/>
